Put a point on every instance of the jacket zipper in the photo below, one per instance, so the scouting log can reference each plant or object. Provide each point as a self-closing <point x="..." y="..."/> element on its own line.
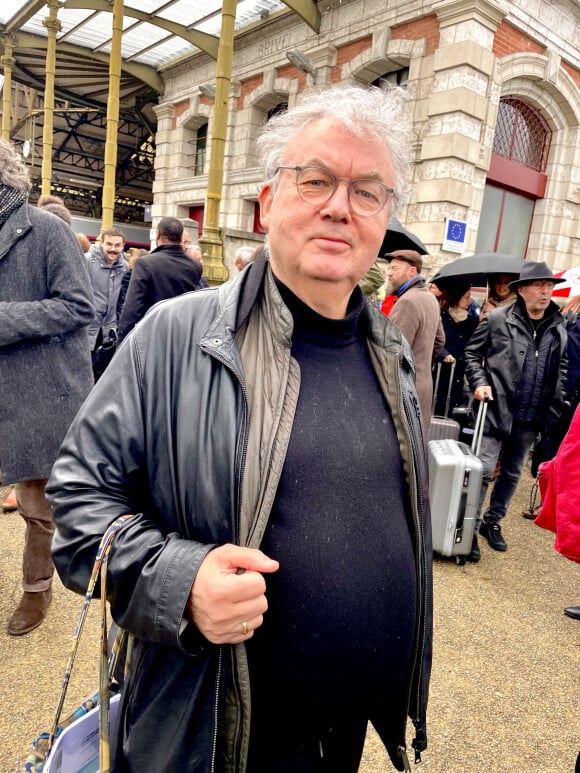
<point x="216" y="710"/>
<point x="421" y="650"/>
<point x="403" y="755"/>
<point x="422" y="572"/>
<point x="228" y="365"/>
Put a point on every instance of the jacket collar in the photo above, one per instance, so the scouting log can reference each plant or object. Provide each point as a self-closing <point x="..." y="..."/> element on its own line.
<point x="247" y="286"/>
<point x="552" y="309"/>
<point x="417" y="282"/>
<point x="14" y="228"/>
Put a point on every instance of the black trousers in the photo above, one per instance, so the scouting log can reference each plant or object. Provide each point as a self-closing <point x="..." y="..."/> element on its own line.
<point x="337" y="751"/>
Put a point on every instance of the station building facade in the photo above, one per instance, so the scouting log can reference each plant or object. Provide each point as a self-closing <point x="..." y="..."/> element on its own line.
<point x="494" y="94"/>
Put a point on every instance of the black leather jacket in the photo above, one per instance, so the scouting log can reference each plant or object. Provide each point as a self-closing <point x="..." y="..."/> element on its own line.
<point x="166" y="435"/>
<point x="495" y="357"/>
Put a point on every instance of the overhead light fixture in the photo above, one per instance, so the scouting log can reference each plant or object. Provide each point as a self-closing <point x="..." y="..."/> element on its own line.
<point x="302" y="62"/>
<point x="207" y="90"/>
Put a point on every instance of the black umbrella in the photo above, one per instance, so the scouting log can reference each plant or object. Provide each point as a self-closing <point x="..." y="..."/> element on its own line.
<point x="399" y="238"/>
<point x="477" y="267"/>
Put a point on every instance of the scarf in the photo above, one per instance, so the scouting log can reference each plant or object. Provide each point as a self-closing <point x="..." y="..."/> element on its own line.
<point x="457" y="313"/>
<point x="10" y="199"/>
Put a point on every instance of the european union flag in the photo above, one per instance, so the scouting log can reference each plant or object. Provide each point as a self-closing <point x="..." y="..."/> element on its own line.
<point x="456" y="230"/>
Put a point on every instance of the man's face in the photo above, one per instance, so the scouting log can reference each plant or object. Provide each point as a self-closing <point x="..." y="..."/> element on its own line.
<point x="399" y="272"/>
<point x="537" y="295"/>
<point x="112" y="247"/>
<point x="321" y="251"/>
<point x="185" y="242"/>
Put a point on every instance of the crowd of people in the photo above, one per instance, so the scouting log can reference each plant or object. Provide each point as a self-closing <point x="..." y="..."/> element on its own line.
<point x="276" y="605"/>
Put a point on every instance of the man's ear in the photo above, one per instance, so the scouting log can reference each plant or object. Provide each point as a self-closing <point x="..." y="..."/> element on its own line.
<point x="265" y="197"/>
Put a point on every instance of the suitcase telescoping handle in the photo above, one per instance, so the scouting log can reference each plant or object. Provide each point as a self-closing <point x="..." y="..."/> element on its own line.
<point x="436" y="388"/>
<point x="479" y="425"/>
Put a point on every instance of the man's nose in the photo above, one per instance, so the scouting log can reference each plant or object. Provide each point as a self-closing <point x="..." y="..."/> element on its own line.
<point x="338" y="205"/>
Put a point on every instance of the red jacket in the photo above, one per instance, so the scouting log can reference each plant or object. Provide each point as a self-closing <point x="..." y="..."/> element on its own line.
<point x="559" y="481"/>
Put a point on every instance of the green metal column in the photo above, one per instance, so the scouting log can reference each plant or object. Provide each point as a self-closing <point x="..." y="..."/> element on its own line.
<point x="112" y="116"/>
<point x="211" y="241"/>
<point x="8" y="63"/>
<point x="52" y="27"/>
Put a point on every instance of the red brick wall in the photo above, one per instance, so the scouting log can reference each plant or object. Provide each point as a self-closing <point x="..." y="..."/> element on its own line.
<point x="509" y="40"/>
<point x="291" y="72"/>
<point x="180" y="108"/>
<point x="247" y="87"/>
<point x="347" y="53"/>
<point x="427" y="27"/>
<point x="572" y="72"/>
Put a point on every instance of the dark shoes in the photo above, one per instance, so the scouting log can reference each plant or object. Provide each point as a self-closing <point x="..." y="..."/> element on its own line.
<point x="492" y="532"/>
<point x="30" y="613"/>
<point x="573" y="612"/>
<point x="475" y="554"/>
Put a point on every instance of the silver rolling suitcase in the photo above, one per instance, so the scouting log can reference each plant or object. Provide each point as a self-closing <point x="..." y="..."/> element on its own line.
<point x="455" y="474"/>
<point x="442" y="427"/>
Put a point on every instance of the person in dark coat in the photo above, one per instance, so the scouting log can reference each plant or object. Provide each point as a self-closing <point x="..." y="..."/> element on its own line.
<point x="165" y="273"/>
<point x="516" y="359"/>
<point x="46" y="304"/>
<point x="458" y="326"/>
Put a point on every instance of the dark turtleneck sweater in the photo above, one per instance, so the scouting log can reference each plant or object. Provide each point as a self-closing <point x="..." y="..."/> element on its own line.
<point x="338" y="632"/>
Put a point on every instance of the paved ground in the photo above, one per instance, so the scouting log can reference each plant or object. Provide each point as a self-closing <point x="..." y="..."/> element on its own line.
<point x="505" y="692"/>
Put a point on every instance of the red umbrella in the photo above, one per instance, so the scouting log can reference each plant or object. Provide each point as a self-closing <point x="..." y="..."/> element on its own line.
<point x="571" y="286"/>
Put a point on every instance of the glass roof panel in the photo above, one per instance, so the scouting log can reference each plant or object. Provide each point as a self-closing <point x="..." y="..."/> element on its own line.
<point x="165" y="52"/>
<point x="71" y="18"/>
<point x="190" y="12"/>
<point x="86" y="28"/>
<point x="142" y="36"/>
<point x="147" y="6"/>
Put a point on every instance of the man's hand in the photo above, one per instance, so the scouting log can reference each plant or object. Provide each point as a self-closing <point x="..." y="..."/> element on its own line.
<point x="483" y="392"/>
<point x="227" y="601"/>
<point x="449" y="358"/>
<point x="485" y="309"/>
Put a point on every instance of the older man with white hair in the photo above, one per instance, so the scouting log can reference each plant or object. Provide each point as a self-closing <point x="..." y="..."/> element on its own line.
<point x="277" y="573"/>
<point x="244" y="256"/>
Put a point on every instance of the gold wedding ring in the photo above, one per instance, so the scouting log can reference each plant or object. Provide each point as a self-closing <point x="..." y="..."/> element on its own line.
<point x="245" y="628"/>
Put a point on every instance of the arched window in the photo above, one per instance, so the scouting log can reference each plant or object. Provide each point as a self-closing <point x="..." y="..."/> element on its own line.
<point x="200" y="149"/>
<point x="516" y="178"/>
<point x="521" y="134"/>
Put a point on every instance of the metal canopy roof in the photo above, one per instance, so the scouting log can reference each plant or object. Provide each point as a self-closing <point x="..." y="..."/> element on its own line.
<point x="155" y="34"/>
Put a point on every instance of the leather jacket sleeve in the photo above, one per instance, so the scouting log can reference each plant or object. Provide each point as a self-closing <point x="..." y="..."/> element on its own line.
<point x="101" y="473"/>
<point x="474" y="355"/>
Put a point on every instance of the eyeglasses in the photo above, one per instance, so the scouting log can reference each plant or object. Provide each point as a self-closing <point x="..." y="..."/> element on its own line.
<point x="317" y="186"/>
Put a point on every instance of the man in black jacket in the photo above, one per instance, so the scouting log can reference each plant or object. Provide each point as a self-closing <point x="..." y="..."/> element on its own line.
<point x="517" y="359"/>
<point x="166" y="272"/>
<point x="256" y="430"/>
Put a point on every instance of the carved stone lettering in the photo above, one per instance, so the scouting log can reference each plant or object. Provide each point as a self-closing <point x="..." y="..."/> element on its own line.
<point x="279" y="43"/>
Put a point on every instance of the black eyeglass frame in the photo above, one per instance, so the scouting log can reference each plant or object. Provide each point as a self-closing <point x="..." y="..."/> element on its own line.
<point x="298" y="169"/>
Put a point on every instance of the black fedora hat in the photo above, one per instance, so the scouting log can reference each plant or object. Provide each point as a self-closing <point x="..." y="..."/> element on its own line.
<point x="532" y="271"/>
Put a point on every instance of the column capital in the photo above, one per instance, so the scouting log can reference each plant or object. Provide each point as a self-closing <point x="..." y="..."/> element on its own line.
<point x="52" y="25"/>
